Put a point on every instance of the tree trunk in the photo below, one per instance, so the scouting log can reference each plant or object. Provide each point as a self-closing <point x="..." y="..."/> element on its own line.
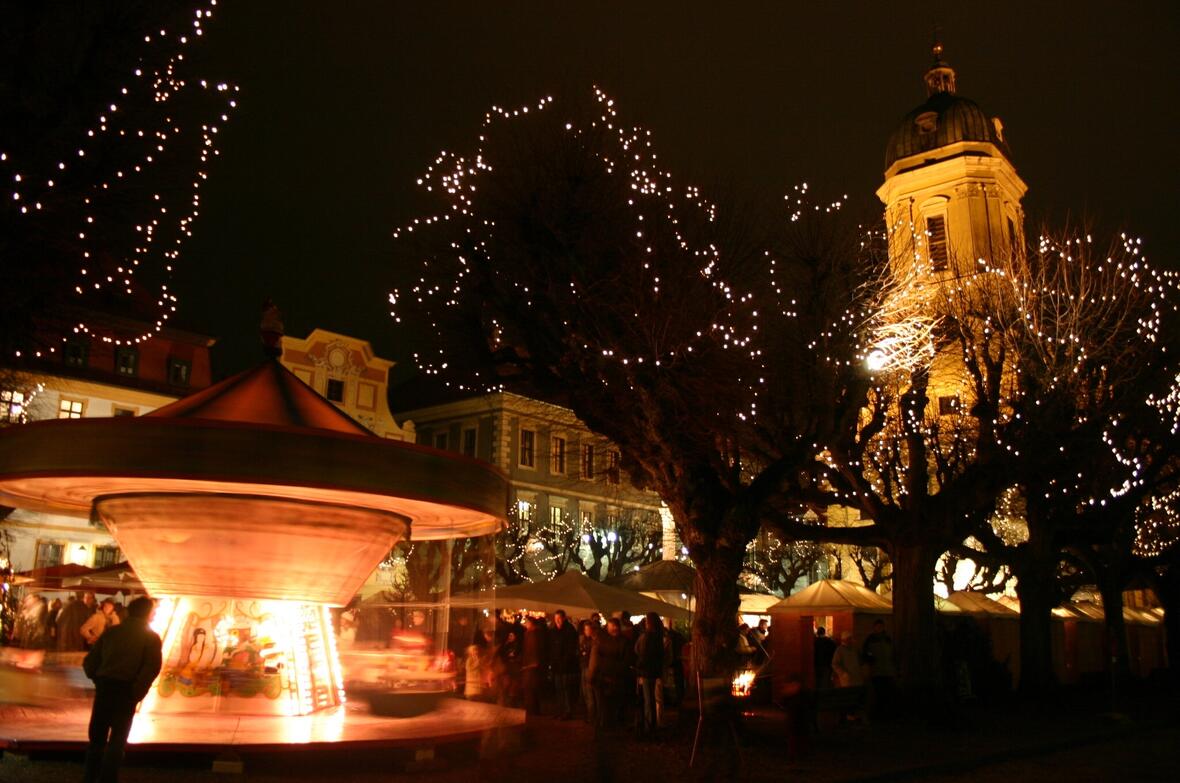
<point x="1169" y="595"/>
<point x="915" y="635"/>
<point x="1035" y="587"/>
<point x="714" y="629"/>
<point x="1110" y="584"/>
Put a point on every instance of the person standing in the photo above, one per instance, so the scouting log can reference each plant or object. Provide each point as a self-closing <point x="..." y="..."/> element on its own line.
<point x="651" y="652"/>
<point x="608" y="672"/>
<point x="563" y="660"/>
<point x="878" y="654"/>
<point x="70" y="621"/>
<point x="100" y="621"/>
<point x="534" y="664"/>
<point x="122" y="663"/>
<point x="589" y="632"/>
<point x="824" y="649"/>
<point x="846" y="663"/>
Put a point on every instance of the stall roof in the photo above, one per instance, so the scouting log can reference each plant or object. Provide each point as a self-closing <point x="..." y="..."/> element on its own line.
<point x="831" y="595"/>
<point x="579" y="596"/>
<point x="979" y="604"/>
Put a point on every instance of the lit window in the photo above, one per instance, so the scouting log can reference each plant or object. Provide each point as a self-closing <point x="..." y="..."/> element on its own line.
<point x="127" y="361"/>
<point x="524" y="510"/>
<point x="948" y="405"/>
<point x="12" y="407"/>
<point x="528" y="442"/>
<point x="335" y="390"/>
<point x="556" y="513"/>
<point x="70" y="409"/>
<point x="179" y="371"/>
<point x="936" y="236"/>
<point x="557" y="455"/>
<point x="469" y="442"/>
<point x="588" y="461"/>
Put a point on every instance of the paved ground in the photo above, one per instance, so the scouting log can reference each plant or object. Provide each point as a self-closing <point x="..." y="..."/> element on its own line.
<point x="1072" y="741"/>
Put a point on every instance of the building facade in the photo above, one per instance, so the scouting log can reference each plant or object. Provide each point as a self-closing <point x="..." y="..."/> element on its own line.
<point x="564" y="479"/>
<point x="79" y="376"/>
<point x="345" y="371"/>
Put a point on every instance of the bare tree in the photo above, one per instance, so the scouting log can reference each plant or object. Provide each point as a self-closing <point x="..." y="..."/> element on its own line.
<point x="562" y="254"/>
<point x="776" y="566"/>
<point x="628" y="541"/>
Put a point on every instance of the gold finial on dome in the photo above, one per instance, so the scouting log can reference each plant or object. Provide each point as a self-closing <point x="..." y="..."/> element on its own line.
<point x="941" y="76"/>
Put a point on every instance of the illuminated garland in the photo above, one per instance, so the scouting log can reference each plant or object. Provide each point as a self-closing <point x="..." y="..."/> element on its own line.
<point x="110" y="167"/>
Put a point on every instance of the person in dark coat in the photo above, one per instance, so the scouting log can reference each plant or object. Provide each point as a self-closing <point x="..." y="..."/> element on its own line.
<point x="123" y="662"/>
<point x="609" y="671"/>
<point x="824" y="648"/>
<point x="506" y="665"/>
<point x="651" y="654"/>
<point x="70" y="621"/>
<point x="534" y="664"/>
<point x="563" y="662"/>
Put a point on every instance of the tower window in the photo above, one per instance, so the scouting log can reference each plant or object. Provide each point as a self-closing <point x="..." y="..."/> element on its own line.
<point x="936" y="236"/>
<point x="335" y="390"/>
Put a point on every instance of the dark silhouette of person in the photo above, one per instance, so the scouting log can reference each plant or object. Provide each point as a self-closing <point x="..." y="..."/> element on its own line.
<point x="122" y="663"/>
<point x="825" y="648"/>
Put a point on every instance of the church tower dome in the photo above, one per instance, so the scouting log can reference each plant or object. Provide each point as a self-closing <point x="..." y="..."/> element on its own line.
<point x="951" y="193"/>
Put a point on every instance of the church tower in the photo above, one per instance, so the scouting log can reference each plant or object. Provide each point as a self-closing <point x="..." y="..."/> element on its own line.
<point x="951" y="193"/>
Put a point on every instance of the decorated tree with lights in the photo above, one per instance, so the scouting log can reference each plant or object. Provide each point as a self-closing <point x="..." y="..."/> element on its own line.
<point x="628" y="541"/>
<point x="565" y="256"/>
<point x="776" y="566"/>
<point x="108" y="134"/>
<point x="1088" y="353"/>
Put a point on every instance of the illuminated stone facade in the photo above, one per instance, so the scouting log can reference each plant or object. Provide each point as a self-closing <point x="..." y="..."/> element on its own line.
<point x="345" y="371"/>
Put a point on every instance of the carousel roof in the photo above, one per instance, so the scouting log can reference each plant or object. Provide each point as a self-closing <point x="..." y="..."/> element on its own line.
<point x="262" y="433"/>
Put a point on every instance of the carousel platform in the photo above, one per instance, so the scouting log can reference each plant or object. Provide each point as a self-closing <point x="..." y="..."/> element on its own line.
<point x="63" y="728"/>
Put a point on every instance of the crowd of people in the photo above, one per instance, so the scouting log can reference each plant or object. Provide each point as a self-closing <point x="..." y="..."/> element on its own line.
<point x="70" y="627"/>
<point x="612" y="673"/>
<point x="869" y="667"/>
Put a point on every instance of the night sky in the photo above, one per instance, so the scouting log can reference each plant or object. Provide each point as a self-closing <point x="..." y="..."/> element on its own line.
<point x="343" y="104"/>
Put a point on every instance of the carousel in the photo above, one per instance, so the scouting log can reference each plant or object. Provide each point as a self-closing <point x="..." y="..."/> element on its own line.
<point x="250" y="510"/>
